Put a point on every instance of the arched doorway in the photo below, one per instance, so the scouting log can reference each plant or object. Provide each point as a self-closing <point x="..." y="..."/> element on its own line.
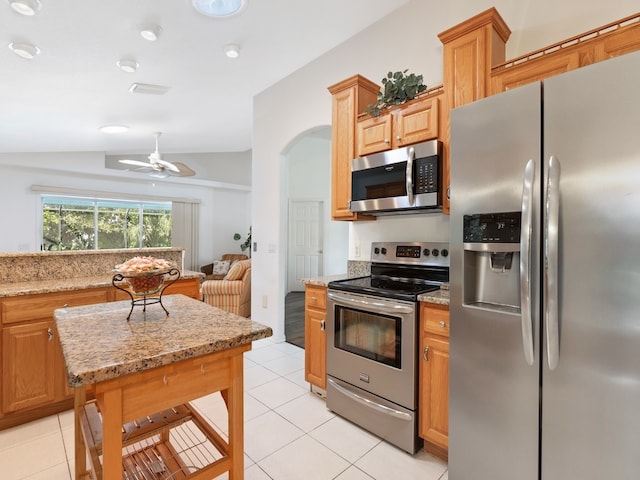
<point x="316" y="246"/>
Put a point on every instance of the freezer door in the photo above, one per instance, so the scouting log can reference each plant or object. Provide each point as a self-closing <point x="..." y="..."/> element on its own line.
<point x="591" y="392"/>
<point x="494" y="371"/>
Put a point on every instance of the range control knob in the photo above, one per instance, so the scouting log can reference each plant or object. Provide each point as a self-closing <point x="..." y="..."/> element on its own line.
<point x="376" y="250"/>
<point x="435" y="252"/>
<point x="445" y="252"/>
<point x="383" y="251"/>
<point x="426" y="252"/>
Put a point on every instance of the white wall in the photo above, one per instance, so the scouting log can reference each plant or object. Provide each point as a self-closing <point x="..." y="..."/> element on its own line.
<point x="224" y="209"/>
<point x="406" y="39"/>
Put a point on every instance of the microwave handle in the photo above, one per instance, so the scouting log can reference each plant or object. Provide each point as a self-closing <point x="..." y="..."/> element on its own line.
<point x="409" y="174"/>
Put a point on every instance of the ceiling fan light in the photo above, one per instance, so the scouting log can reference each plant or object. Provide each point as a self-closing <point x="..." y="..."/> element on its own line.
<point x="127" y="65"/>
<point x="24" y="50"/>
<point x="114" y="128"/>
<point x="150" y="32"/>
<point x="219" y="8"/>
<point x="25" y="7"/>
<point x="232" y="51"/>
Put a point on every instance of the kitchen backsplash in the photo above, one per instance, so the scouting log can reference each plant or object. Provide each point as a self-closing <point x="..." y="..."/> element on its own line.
<point x="36" y="266"/>
<point x="357" y="268"/>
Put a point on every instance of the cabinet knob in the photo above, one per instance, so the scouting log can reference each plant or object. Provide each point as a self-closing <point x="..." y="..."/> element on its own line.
<point x="398" y="138"/>
<point x="443" y="324"/>
<point x="386" y="140"/>
<point x="425" y="353"/>
<point x="323" y="326"/>
<point x="50" y="333"/>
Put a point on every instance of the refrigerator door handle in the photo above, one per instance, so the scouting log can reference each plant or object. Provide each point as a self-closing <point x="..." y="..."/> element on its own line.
<point x="409" y="175"/>
<point x="551" y="263"/>
<point x="525" y="260"/>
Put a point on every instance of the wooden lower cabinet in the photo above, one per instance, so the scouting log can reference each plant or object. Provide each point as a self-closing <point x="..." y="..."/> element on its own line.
<point x="315" y="336"/>
<point x="34" y="378"/>
<point x="433" y="407"/>
<point x="28" y="365"/>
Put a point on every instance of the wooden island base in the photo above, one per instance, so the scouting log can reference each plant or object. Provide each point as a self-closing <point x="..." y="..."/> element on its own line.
<point x="148" y="414"/>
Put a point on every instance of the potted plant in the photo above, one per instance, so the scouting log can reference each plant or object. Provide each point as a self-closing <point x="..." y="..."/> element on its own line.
<point x="397" y="88"/>
<point x="247" y="242"/>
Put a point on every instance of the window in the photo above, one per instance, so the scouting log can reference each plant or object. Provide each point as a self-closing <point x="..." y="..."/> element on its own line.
<point x="82" y="223"/>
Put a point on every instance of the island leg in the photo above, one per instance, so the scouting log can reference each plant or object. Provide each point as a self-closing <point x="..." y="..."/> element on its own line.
<point x="112" y="434"/>
<point x="235" y="407"/>
<point x="81" y="471"/>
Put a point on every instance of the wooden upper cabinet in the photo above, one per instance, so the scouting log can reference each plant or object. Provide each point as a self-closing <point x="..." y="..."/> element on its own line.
<point x="608" y="41"/>
<point x="416" y="121"/>
<point x="470" y="49"/>
<point x="349" y="98"/>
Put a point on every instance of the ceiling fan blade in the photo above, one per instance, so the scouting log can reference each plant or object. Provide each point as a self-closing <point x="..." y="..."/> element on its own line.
<point x="168" y="165"/>
<point x="136" y="163"/>
<point x="183" y="170"/>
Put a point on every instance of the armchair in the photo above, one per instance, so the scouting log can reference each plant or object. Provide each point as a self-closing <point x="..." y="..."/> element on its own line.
<point x="208" y="269"/>
<point x="233" y="293"/>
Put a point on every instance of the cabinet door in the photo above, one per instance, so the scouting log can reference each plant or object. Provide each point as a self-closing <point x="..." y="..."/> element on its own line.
<point x="315" y="338"/>
<point x="315" y="344"/>
<point x="28" y="365"/>
<point x="417" y="122"/>
<point x="434" y="391"/>
<point x="373" y="135"/>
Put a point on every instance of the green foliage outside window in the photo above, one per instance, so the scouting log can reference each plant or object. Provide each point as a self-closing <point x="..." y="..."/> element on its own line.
<point x="71" y="223"/>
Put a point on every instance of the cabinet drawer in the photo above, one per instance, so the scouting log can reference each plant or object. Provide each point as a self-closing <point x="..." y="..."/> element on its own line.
<point x="435" y="318"/>
<point x="31" y="307"/>
<point x="315" y="297"/>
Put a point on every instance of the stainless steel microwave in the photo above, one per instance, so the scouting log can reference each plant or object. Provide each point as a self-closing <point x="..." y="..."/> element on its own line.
<point x="397" y="181"/>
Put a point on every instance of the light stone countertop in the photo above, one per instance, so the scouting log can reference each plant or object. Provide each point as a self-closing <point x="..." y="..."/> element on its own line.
<point x="99" y="343"/>
<point x="68" y="284"/>
<point x="440" y="297"/>
<point x="324" y="281"/>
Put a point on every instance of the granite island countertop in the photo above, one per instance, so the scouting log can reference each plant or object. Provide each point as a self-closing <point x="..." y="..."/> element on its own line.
<point x="99" y="344"/>
<point x="68" y="284"/>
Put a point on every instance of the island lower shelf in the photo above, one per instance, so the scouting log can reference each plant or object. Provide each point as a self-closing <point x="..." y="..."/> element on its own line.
<point x="177" y="443"/>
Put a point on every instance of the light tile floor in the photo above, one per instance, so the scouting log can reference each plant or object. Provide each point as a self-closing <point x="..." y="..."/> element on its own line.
<point x="289" y="433"/>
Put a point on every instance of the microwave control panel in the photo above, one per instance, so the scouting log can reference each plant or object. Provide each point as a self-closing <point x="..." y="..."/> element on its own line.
<point x="426" y="174"/>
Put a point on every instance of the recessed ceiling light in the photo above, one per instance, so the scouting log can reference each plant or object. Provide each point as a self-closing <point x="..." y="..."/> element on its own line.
<point x="232" y="51"/>
<point x="114" y="129"/>
<point x="219" y="8"/>
<point x="24" y="50"/>
<point x="150" y="32"/>
<point x="25" y="7"/>
<point x="127" y="65"/>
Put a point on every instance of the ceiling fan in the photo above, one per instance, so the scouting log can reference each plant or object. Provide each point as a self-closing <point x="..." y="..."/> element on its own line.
<point x="158" y="167"/>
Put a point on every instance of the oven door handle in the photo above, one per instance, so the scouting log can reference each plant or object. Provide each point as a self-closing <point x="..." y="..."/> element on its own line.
<point x="370" y="403"/>
<point x="373" y="305"/>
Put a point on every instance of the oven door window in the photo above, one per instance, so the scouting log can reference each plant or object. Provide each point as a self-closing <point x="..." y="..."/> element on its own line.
<point x="371" y="335"/>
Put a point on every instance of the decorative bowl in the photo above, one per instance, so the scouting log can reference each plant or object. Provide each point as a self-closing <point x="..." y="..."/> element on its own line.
<point x="144" y="275"/>
<point x="145" y="283"/>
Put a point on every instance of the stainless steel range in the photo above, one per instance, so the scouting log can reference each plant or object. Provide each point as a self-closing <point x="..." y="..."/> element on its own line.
<point x="372" y="339"/>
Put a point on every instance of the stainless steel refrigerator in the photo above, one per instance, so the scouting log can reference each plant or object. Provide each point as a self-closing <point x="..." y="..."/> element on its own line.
<point x="545" y="279"/>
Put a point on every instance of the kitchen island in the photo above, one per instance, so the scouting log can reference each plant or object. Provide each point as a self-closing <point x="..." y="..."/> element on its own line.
<point x="144" y="372"/>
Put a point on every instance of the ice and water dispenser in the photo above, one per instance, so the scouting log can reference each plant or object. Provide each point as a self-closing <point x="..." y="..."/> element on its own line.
<point x="492" y="261"/>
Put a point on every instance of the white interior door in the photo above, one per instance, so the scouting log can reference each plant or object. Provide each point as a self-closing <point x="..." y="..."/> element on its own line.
<point x="305" y="242"/>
